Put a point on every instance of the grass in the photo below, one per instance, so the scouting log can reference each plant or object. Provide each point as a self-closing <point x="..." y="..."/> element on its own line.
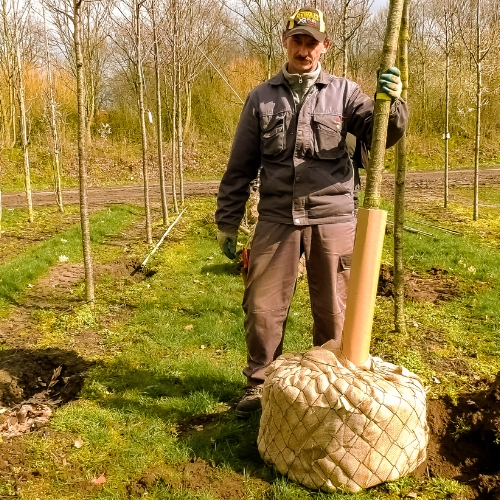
<point x="160" y="398"/>
<point x="18" y="274"/>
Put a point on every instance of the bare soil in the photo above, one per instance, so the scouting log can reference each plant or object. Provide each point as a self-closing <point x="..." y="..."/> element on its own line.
<point x="463" y="437"/>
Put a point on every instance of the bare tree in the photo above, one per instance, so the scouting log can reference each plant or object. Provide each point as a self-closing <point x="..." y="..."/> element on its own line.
<point x="128" y="39"/>
<point x="446" y="39"/>
<point x="95" y="22"/>
<point x="159" y="130"/>
<point x="478" y="22"/>
<point x="142" y="115"/>
<point x="7" y="65"/>
<point x="399" y="192"/>
<point x="260" y="24"/>
<point x="19" y="18"/>
<point x="82" y="151"/>
<point x="346" y="19"/>
<point x="52" y="119"/>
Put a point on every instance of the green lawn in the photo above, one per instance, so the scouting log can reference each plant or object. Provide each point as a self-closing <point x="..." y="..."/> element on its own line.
<point x="159" y="403"/>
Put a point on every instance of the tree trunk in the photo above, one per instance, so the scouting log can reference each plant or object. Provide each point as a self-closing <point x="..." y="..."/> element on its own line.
<point x="180" y="135"/>
<point x="479" y="91"/>
<point x="189" y="106"/>
<point x="446" y="124"/>
<point x="399" y="193"/>
<point x="344" y="39"/>
<point x="82" y="154"/>
<point x="382" y="110"/>
<point x="11" y="128"/>
<point x="159" y="133"/>
<point x="142" y="116"/>
<point x="56" y="149"/>
<point x="24" y="131"/>
<point x="174" y="115"/>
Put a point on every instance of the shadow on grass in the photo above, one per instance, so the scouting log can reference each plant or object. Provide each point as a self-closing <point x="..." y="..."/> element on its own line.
<point x="231" y="268"/>
<point x="187" y="403"/>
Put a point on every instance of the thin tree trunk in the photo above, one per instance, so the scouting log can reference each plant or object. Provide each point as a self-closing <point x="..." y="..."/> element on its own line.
<point x="24" y="131"/>
<point x="159" y="133"/>
<point x="447" y="125"/>
<point x="174" y="115"/>
<point x="344" y="39"/>
<point x="82" y="154"/>
<point x="10" y="69"/>
<point x="189" y="106"/>
<point x="382" y="110"/>
<point x="140" y="76"/>
<point x="180" y="135"/>
<point x="56" y="163"/>
<point x="479" y="90"/>
<point x="399" y="198"/>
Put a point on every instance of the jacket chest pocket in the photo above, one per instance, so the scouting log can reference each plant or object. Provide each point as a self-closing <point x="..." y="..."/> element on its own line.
<point x="328" y="140"/>
<point x="272" y="136"/>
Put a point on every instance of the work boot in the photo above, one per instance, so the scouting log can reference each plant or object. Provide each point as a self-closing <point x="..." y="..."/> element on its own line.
<point x="250" y="403"/>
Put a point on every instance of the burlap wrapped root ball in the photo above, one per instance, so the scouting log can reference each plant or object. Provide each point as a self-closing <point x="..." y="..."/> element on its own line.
<point x="329" y="425"/>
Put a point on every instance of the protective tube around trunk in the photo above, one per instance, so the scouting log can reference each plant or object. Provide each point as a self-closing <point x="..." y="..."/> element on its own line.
<point x="363" y="282"/>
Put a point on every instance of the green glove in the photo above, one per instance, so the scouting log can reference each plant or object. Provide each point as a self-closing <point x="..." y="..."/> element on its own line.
<point x="389" y="84"/>
<point x="227" y="243"/>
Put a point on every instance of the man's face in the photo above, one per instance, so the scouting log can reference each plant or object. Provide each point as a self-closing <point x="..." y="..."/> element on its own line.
<point x="303" y="52"/>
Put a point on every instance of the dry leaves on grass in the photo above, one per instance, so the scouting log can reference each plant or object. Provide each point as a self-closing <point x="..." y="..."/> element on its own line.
<point x="25" y="419"/>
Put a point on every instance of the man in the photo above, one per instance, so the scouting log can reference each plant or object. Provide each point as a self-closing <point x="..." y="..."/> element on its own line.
<point x="293" y="129"/>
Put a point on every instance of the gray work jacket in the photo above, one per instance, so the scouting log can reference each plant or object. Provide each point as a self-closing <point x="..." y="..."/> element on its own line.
<point x="306" y="174"/>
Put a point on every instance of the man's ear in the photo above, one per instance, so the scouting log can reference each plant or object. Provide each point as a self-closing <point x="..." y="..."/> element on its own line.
<point x="326" y="44"/>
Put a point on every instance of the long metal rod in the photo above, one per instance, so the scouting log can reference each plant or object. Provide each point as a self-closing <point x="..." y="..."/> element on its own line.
<point x="162" y="238"/>
<point x="220" y="74"/>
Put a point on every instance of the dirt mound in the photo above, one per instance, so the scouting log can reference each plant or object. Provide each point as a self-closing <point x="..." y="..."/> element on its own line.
<point x="435" y="286"/>
<point x="465" y="440"/>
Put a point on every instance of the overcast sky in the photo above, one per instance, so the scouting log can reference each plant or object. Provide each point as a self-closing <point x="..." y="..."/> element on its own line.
<point x="377" y="4"/>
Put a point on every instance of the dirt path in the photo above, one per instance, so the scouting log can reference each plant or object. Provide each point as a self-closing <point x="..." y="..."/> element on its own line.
<point x="428" y="185"/>
<point x="99" y="196"/>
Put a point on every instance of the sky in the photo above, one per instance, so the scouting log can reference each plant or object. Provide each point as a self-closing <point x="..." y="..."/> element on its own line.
<point x="377" y="4"/>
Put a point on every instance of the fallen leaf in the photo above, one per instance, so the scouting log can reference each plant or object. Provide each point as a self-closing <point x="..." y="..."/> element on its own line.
<point x="100" y="480"/>
<point x="188" y="327"/>
<point x="78" y="442"/>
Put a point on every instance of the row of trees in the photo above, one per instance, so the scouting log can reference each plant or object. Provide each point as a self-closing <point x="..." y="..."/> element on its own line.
<point x="157" y="71"/>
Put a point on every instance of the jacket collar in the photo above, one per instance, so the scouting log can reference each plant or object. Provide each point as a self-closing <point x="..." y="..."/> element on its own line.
<point x="279" y="79"/>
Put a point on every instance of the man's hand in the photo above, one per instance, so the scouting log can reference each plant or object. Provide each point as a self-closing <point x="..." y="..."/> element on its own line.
<point x="227" y="243"/>
<point x="389" y="83"/>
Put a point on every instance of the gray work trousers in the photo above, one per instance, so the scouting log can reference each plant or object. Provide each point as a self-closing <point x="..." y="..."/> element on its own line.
<point x="272" y="273"/>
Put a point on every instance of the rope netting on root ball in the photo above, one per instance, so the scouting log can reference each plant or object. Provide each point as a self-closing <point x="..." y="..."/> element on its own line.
<point x="329" y="425"/>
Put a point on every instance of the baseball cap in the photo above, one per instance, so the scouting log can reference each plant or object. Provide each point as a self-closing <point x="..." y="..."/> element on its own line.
<point x="307" y="21"/>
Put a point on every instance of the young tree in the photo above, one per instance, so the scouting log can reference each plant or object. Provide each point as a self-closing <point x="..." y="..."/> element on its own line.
<point x="82" y="150"/>
<point x="142" y="114"/>
<point x="349" y="16"/>
<point x="19" y="19"/>
<point x="130" y="55"/>
<point x="159" y="130"/>
<point x="95" y="26"/>
<point x="52" y="119"/>
<point x="478" y="22"/>
<point x="7" y="65"/>
<point x="399" y="192"/>
<point x="446" y="39"/>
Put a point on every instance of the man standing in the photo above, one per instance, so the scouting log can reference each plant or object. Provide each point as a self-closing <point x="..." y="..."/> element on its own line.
<point x="293" y="129"/>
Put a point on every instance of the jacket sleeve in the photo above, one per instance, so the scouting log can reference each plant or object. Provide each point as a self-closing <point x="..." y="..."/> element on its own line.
<point x="360" y="110"/>
<point x="242" y="169"/>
